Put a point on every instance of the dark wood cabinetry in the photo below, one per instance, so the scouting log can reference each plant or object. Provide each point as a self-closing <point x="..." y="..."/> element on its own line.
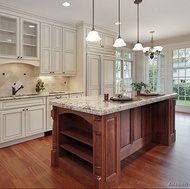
<point x="90" y="147"/>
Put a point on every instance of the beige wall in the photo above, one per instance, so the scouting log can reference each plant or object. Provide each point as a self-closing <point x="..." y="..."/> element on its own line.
<point x="27" y="75"/>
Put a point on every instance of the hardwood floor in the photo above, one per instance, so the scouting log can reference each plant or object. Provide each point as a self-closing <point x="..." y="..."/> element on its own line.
<point x="28" y="165"/>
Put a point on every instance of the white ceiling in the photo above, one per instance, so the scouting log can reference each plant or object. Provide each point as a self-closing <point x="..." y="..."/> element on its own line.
<point x="168" y="18"/>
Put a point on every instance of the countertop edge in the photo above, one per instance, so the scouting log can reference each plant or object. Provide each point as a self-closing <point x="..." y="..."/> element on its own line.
<point x="102" y="108"/>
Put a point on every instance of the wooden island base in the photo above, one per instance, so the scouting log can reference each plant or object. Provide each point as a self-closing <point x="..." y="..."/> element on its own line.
<point x="90" y="147"/>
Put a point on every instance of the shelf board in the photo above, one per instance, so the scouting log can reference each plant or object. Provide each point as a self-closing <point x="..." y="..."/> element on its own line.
<point x="29" y="45"/>
<point x="82" y="136"/>
<point x="29" y="35"/>
<point x="8" y="31"/>
<point x="8" y="42"/>
<point x="79" y="151"/>
<point x="78" y="170"/>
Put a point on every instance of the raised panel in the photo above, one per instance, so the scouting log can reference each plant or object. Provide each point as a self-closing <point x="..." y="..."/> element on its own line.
<point x="108" y="71"/>
<point x="57" y="62"/>
<point x="69" y="40"/>
<point x="46" y="36"/>
<point x="111" y="136"/>
<point x="93" y="73"/>
<point x="136" y="123"/>
<point x="46" y="61"/>
<point x="35" y="120"/>
<point x="69" y="62"/>
<point x="147" y="120"/>
<point x="57" y="38"/>
<point x="108" y="41"/>
<point x="125" y="128"/>
<point x="12" y="125"/>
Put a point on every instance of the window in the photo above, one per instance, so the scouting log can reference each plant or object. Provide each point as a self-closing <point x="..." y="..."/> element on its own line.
<point x="156" y="73"/>
<point x="181" y="75"/>
<point x="123" y="71"/>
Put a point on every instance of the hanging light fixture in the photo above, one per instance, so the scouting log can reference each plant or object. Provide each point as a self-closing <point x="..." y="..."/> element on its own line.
<point x="119" y="42"/>
<point x="138" y="46"/>
<point x="93" y="35"/>
<point x="151" y="51"/>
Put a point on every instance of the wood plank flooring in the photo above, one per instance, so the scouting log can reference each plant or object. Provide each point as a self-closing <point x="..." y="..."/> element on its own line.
<point x="28" y="165"/>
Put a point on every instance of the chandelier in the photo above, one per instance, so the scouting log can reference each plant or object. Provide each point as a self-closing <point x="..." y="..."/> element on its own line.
<point x="151" y="51"/>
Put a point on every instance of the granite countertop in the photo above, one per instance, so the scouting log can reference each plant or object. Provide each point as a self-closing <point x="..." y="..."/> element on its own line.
<point x="33" y="95"/>
<point x="97" y="106"/>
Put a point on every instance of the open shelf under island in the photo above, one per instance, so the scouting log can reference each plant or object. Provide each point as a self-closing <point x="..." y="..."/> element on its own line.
<point x="91" y="136"/>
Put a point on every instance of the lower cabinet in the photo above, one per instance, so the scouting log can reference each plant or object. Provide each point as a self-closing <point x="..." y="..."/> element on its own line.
<point x="49" y="124"/>
<point x="18" y="123"/>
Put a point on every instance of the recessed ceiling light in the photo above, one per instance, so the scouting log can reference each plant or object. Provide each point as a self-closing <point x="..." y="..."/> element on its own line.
<point x="66" y="4"/>
<point x="117" y="23"/>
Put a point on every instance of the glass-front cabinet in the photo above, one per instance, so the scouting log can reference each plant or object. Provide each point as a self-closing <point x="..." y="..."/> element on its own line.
<point x="8" y="36"/>
<point x="29" y="42"/>
<point x="19" y="38"/>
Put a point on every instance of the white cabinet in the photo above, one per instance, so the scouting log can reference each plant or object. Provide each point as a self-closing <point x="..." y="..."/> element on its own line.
<point x="76" y="95"/>
<point x="107" y="40"/>
<point x="49" y="107"/>
<point x="12" y="124"/>
<point x="58" y="50"/>
<point x="100" y="74"/>
<point x="69" y="52"/>
<point x="51" y="49"/>
<point x="35" y="118"/>
<point x="49" y="124"/>
<point x="19" y="39"/>
<point x="21" y="118"/>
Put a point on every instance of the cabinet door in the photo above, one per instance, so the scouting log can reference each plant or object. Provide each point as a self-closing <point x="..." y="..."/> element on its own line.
<point x="76" y="95"/>
<point x="49" y="124"/>
<point x="69" y="52"/>
<point x="56" y="62"/>
<point x="12" y="125"/>
<point x="9" y="36"/>
<point x="45" y="66"/>
<point x="108" y="75"/>
<point x="35" y="120"/>
<point x="29" y="41"/>
<point x="108" y="41"/>
<point x="93" y="75"/>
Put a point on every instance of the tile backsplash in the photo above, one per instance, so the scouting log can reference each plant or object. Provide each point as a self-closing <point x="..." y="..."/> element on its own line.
<point x="27" y="75"/>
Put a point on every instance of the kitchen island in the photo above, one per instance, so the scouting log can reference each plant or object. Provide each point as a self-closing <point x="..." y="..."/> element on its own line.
<point x="91" y="136"/>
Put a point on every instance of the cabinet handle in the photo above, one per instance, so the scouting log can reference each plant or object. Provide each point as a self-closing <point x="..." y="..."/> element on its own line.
<point x="58" y="97"/>
<point x="23" y="109"/>
<point x="21" y="57"/>
<point x="27" y="109"/>
<point x="17" y="56"/>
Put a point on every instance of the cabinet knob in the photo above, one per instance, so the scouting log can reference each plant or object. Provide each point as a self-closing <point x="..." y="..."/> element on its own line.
<point x="21" y="57"/>
<point x="63" y="72"/>
<point x="17" y="56"/>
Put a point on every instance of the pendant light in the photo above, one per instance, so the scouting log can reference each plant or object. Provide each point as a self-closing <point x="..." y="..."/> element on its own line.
<point x="138" y="46"/>
<point x="93" y="35"/>
<point x="119" y="42"/>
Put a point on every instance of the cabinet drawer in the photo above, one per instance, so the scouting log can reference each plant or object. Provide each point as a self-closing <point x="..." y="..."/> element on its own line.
<point x="19" y="103"/>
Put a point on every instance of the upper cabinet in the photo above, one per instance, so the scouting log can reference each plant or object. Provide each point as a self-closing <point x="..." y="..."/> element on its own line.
<point x="51" y="49"/>
<point x="69" y="52"/>
<point x="19" y="39"/>
<point x="105" y="44"/>
<point x="29" y="40"/>
<point x="58" y="50"/>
